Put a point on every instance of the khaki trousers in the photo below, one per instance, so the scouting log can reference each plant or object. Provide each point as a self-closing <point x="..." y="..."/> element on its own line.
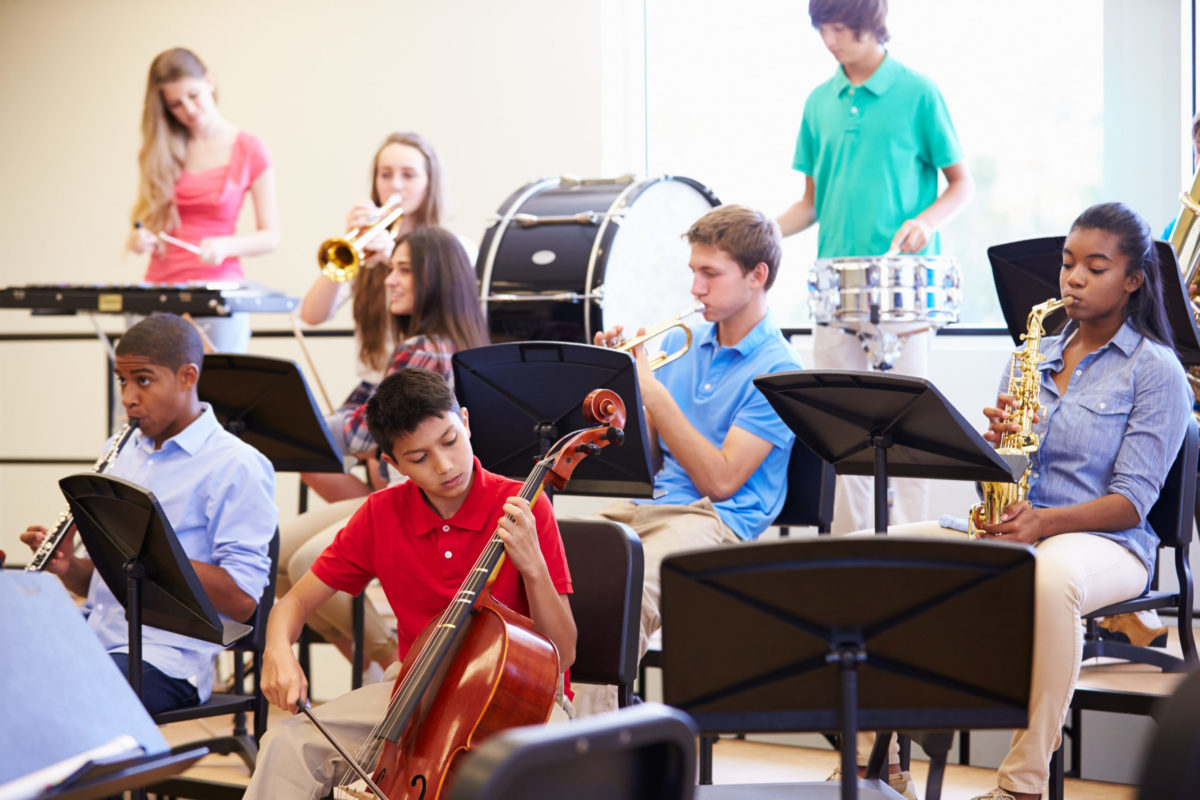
<point x="664" y="530"/>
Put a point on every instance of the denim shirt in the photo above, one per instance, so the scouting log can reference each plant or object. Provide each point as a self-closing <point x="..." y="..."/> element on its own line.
<point x="1115" y="430"/>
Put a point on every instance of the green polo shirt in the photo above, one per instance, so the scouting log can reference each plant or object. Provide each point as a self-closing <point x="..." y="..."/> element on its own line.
<point x="874" y="152"/>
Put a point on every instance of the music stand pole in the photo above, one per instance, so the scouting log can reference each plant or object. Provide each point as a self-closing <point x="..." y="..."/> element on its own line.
<point x="881" y="442"/>
<point x="134" y="573"/>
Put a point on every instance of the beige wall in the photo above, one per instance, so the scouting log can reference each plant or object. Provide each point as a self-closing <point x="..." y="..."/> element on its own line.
<point x="507" y="92"/>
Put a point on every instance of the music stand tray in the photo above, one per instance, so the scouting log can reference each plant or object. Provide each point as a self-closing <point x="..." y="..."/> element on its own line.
<point x="134" y="549"/>
<point x="528" y="394"/>
<point x="871" y="423"/>
<point x="266" y="403"/>
<point x="1026" y="273"/>
<point x="849" y="634"/>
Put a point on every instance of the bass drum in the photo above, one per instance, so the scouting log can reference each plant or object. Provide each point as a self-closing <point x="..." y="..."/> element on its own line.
<point x="565" y="258"/>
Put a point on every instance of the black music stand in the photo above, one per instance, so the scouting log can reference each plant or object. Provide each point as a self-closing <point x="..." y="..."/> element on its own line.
<point x="133" y="547"/>
<point x="871" y="423"/>
<point x="525" y="395"/>
<point x="266" y="403"/>
<point x="1026" y="273"/>
<point x="847" y="634"/>
<point x="64" y="696"/>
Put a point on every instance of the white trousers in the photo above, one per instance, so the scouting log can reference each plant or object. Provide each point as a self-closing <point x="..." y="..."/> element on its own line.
<point x="854" y="500"/>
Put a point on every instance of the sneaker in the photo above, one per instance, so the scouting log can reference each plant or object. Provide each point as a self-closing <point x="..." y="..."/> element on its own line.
<point x="994" y="794"/>
<point x="1133" y="629"/>
<point x="901" y="782"/>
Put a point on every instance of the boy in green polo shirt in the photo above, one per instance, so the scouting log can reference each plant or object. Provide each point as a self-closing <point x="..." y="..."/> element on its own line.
<point x="872" y="140"/>
<point x="871" y="143"/>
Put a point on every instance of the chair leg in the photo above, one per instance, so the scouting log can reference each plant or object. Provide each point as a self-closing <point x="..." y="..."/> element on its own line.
<point x="706" y="756"/>
<point x="1056" y="775"/>
<point x="964" y="748"/>
<point x="358" y="612"/>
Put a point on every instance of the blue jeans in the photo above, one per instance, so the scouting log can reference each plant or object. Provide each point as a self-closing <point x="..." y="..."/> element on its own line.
<point x="160" y="692"/>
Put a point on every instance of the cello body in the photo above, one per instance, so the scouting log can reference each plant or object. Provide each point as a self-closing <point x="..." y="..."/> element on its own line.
<point x="502" y="675"/>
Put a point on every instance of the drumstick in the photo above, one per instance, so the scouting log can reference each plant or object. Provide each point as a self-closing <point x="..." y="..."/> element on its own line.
<point x="311" y="366"/>
<point x="166" y="237"/>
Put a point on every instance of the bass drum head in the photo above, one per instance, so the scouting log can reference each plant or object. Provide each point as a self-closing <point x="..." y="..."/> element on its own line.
<point x="569" y="258"/>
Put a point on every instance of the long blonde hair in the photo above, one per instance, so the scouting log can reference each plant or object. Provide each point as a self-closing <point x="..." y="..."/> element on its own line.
<point x="164" y="141"/>
<point x="371" y="316"/>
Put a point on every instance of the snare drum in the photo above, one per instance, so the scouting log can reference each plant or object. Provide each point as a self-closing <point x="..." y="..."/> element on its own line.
<point x="899" y="288"/>
<point x="565" y="258"/>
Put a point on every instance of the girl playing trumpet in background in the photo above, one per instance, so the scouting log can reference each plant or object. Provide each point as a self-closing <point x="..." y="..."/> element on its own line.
<point x="405" y="165"/>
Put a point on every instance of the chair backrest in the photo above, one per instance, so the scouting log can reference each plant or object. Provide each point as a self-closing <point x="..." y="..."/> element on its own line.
<point x="1171" y="762"/>
<point x="647" y="752"/>
<point x="810" y="486"/>
<point x="606" y="565"/>
<point x="1173" y="513"/>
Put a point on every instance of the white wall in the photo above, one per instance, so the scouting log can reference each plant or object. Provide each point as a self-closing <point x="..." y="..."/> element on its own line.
<point x="507" y="92"/>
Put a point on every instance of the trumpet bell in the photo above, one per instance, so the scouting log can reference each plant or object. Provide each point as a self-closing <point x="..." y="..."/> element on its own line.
<point x="341" y="258"/>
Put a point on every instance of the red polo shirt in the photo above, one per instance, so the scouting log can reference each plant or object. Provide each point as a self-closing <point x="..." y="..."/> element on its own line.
<point x="421" y="560"/>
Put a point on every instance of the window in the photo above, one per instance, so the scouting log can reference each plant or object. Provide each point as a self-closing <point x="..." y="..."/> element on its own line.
<point x="726" y="85"/>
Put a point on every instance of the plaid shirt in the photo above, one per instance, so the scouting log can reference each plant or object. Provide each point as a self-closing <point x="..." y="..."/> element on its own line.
<point x="419" y="352"/>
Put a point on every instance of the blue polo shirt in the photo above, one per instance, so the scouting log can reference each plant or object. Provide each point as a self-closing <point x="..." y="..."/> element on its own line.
<point x="714" y="388"/>
<point x="218" y="493"/>
<point x="873" y="152"/>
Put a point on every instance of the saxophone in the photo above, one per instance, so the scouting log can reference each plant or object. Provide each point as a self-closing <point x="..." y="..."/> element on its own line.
<point x="41" y="556"/>
<point x="1025" y="389"/>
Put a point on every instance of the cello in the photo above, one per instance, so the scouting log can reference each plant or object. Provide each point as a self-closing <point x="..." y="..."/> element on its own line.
<point x="479" y="667"/>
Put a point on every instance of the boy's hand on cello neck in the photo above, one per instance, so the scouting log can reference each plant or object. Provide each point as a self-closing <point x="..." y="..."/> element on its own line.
<point x="518" y="532"/>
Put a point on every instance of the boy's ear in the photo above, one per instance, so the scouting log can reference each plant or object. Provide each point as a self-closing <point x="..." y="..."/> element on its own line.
<point x="758" y="275"/>
<point x="465" y="421"/>
<point x="387" y="459"/>
<point x="187" y="376"/>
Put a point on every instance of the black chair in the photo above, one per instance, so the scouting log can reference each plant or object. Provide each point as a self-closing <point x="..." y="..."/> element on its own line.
<point x="1171" y="764"/>
<point x="811" y="482"/>
<point x="236" y="700"/>
<point x="606" y="565"/>
<point x="641" y="753"/>
<point x="1172" y="517"/>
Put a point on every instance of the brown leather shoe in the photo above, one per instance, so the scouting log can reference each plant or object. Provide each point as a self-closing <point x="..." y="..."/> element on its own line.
<point x="1130" y="628"/>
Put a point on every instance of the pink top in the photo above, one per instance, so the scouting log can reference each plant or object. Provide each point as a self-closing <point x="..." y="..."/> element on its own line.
<point x="208" y="204"/>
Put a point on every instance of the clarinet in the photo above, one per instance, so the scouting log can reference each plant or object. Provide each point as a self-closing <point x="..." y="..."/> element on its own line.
<point x="41" y="556"/>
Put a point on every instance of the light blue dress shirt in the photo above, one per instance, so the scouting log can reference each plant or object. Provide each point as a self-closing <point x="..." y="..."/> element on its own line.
<point x="219" y="495"/>
<point x="714" y="387"/>
<point x="1116" y="429"/>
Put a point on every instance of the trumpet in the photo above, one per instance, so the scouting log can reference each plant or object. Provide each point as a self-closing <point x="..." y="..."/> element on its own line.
<point x="660" y="358"/>
<point x="341" y="257"/>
